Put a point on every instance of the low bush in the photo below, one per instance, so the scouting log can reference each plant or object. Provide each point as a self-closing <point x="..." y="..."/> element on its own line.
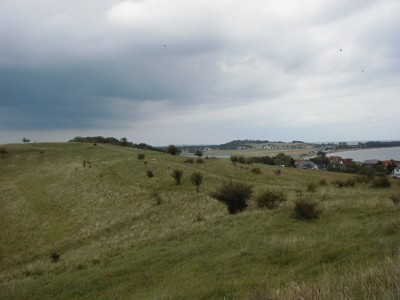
<point x="3" y="151"/>
<point x="199" y="161"/>
<point x="196" y="179"/>
<point x="322" y="182"/>
<point x="149" y="173"/>
<point x="141" y="156"/>
<point x="381" y="182"/>
<point x="55" y="257"/>
<point x="189" y="160"/>
<point x="239" y="159"/>
<point x="177" y="175"/>
<point x="256" y="171"/>
<point x="270" y="199"/>
<point x="306" y="209"/>
<point x="234" y="195"/>
<point x="342" y="183"/>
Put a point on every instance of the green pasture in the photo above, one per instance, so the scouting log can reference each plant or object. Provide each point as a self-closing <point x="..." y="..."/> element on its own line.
<point x="120" y="234"/>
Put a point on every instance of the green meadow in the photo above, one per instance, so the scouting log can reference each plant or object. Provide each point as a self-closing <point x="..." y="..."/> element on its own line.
<point x="79" y="221"/>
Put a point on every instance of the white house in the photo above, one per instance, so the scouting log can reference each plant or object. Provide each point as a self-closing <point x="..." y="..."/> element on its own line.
<point x="396" y="172"/>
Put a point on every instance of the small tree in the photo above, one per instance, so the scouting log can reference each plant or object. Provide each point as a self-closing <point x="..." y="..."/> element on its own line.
<point x="177" y="175"/>
<point x="196" y="179"/>
<point x="198" y="153"/>
<point x="25" y="140"/>
<point x="173" y="150"/>
<point x="234" y="195"/>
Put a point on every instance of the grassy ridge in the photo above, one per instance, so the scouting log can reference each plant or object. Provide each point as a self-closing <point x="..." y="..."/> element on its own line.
<point x="116" y="240"/>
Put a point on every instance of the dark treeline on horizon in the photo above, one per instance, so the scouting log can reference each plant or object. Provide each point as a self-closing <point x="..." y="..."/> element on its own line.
<point x="123" y="142"/>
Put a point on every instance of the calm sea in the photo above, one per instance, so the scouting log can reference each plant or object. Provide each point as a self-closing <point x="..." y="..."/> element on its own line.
<point x="365" y="154"/>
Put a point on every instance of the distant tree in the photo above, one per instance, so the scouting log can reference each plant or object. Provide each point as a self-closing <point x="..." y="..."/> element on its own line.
<point x="196" y="179"/>
<point x="124" y="141"/>
<point x="173" y="150"/>
<point x="25" y="140"/>
<point x="199" y="153"/>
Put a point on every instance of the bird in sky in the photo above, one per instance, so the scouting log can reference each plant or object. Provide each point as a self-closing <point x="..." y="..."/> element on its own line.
<point x="341" y="50"/>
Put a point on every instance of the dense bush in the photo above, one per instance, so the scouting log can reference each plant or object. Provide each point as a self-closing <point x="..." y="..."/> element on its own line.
<point x="234" y="195"/>
<point x="322" y="182"/>
<point x="177" y="175"/>
<point x="189" y="160"/>
<point x="306" y="209"/>
<point x="270" y="199"/>
<point x="256" y="171"/>
<point x="141" y="156"/>
<point x="149" y="173"/>
<point x="55" y="257"/>
<point x="380" y="182"/>
<point x="3" y="151"/>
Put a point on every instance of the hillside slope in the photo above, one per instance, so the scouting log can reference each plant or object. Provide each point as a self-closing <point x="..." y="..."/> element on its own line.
<point x="121" y="234"/>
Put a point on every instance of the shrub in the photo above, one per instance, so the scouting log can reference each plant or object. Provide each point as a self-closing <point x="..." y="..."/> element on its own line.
<point x="256" y="171"/>
<point x="173" y="150"/>
<point x="198" y="152"/>
<point x="149" y="173"/>
<point x="306" y="210"/>
<point x="177" y="175"/>
<point x="55" y="257"/>
<point x="239" y="159"/>
<point x="342" y="183"/>
<point x="141" y="156"/>
<point x="196" y="178"/>
<point x="234" y="195"/>
<point x="380" y="182"/>
<point x="189" y="160"/>
<point x="322" y="182"/>
<point x="3" y="151"/>
<point x="199" y="161"/>
<point x="270" y="199"/>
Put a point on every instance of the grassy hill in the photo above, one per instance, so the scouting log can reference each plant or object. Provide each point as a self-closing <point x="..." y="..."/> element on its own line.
<point x="120" y="234"/>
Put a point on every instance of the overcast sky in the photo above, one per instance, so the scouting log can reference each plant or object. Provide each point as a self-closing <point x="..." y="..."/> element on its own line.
<point x="200" y="72"/>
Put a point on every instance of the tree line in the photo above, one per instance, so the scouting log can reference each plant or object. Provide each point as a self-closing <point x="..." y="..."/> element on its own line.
<point x="123" y="142"/>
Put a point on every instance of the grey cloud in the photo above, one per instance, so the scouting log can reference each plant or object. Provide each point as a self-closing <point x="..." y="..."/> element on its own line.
<point x="101" y="64"/>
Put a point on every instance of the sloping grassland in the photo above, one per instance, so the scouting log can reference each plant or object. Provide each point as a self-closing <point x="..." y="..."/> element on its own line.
<point x="83" y="221"/>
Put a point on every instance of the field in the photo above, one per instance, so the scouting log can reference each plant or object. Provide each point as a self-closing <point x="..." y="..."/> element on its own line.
<point x="84" y="221"/>
<point x="295" y="153"/>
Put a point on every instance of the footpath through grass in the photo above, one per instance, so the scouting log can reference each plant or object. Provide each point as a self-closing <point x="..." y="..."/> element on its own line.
<point x="121" y="234"/>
